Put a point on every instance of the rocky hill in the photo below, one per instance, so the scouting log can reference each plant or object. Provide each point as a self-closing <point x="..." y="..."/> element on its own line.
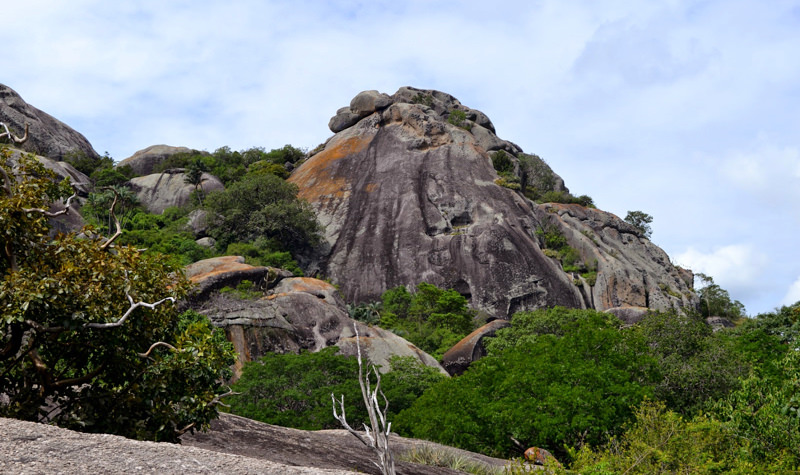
<point x="407" y="192"/>
<point x="48" y="136"/>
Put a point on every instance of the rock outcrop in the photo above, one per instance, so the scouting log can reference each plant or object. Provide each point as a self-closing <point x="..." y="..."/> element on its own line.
<point x="323" y="449"/>
<point x="47" y="135"/>
<point x="631" y="270"/>
<point x="286" y="314"/>
<point x="145" y="161"/>
<point x="407" y="192"/>
<point x="159" y="191"/>
<point x="458" y="358"/>
<point x="234" y="445"/>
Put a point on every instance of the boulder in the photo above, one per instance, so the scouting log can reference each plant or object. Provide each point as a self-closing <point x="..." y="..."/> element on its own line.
<point x="31" y="447"/>
<point x="198" y="222"/>
<point x="718" y="323"/>
<point x="404" y="197"/>
<point x="47" y="136"/>
<point x="215" y="273"/>
<point x="458" y="358"/>
<point x="159" y="191"/>
<point x="364" y="104"/>
<point x="367" y="102"/>
<point x="207" y="242"/>
<point x="629" y="315"/>
<point x="288" y="314"/>
<point x="343" y="119"/>
<point x="144" y="161"/>
<point x="539" y="456"/>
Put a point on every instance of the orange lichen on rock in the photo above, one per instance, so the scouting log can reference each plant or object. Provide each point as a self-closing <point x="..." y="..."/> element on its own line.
<point x="310" y="285"/>
<point x="317" y="178"/>
<point x="202" y="270"/>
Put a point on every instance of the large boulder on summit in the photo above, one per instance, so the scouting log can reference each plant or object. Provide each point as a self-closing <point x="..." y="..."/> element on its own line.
<point x="145" y="161"/>
<point x="159" y="191"/>
<point x="47" y="135"/>
<point x="408" y="193"/>
<point x="283" y="314"/>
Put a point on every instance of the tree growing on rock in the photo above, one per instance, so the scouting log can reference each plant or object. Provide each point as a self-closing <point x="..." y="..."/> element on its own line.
<point x="90" y="337"/>
<point x="641" y="221"/>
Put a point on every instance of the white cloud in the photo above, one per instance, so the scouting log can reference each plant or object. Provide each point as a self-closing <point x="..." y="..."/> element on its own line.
<point x="793" y="294"/>
<point x="737" y="268"/>
<point x="767" y="170"/>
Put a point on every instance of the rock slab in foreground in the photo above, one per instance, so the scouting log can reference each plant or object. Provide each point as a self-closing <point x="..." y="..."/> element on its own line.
<point x="31" y="448"/>
<point x="324" y="449"/>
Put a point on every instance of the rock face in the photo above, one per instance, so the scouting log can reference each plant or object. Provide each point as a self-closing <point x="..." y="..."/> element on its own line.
<point x="288" y="314"/>
<point x="29" y="447"/>
<point x="159" y="191"/>
<point x="323" y="449"/>
<point x="631" y="270"/>
<point x="233" y="445"/>
<point x="48" y="136"/>
<point x="406" y="193"/>
<point x="144" y="161"/>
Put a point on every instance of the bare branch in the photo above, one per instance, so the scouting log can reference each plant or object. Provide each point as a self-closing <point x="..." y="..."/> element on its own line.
<point x="52" y="214"/>
<point x="15" y="138"/>
<point x="127" y="314"/>
<point x="154" y="346"/>
<point x="116" y="221"/>
<point x="377" y="432"/>
<point x="183" y="431"/>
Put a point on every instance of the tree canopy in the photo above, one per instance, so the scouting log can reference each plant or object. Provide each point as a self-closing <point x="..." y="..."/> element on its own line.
<point x="90" y="336"/>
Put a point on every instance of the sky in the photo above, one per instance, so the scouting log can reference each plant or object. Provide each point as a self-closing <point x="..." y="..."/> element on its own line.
<point x="686" y="110"/>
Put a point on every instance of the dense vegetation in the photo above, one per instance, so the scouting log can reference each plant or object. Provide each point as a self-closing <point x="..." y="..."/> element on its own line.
<point x="295" y="390"/>
<point x="90" y="337"/>
<point x="667" y="395"/>
<point x="583" y="386"/>
<point x="434" y="319"/>
<point x="257" y="216"/>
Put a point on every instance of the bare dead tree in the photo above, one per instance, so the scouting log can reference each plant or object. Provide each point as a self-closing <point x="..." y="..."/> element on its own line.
<point x="376" y="435"/>
<point x="12" y="137"/>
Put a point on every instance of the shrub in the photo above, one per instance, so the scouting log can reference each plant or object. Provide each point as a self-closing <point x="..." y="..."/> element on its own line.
<point x="431" y="318"/>
<point x="502" y="163"/>
<point x="459" y="119"/>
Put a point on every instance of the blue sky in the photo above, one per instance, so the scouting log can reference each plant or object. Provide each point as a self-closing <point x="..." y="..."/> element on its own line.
<point x="687" y="110"/>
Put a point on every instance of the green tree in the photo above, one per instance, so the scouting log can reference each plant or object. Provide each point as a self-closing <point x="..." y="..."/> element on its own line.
<point x="262" y="206"/>
<point x="641" y="221"/>
<point x="695" y="364"/>
<point x="194" y="177"/>
<point x="432" y="318"/>
<point x="408" y="379"/>
<point x="716" y="301"/>
<point x="90" y="337"/>
<point x="547" y="390"/>
<point x="294" y="390"/>
<point x="766" y="413"/>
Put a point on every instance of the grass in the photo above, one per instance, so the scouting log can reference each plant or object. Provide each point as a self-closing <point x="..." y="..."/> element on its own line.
<point x="441" y="457"/>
